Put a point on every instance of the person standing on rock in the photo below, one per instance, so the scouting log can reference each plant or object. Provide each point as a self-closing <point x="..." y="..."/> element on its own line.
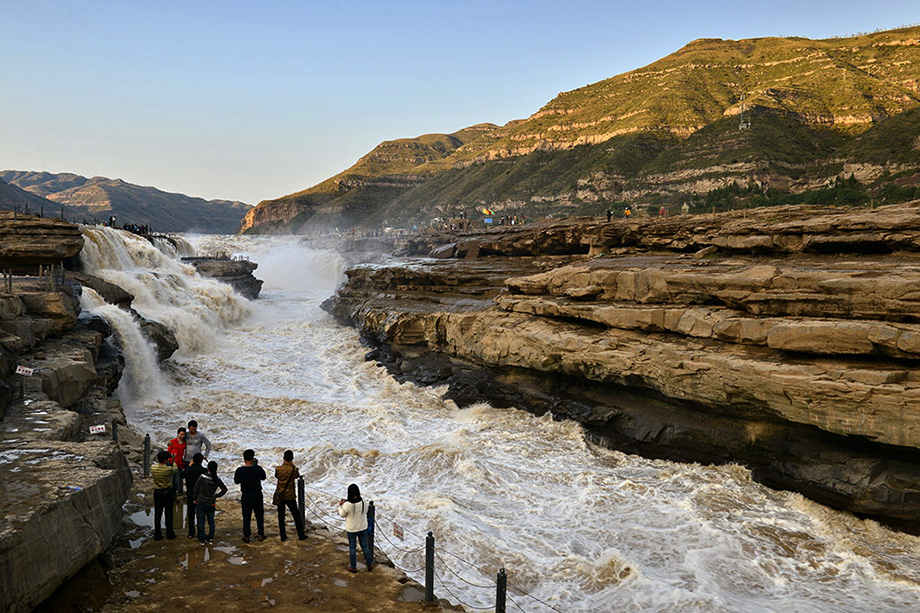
<point x="286" y="495"/>
<point x="162" y="474"/>
<point x="176" y="449"/>
<point x="191" y="474"/>
<point x="354" y="510"/>
<point x="206" y="494"/>
<point x="196" y="442"/>
<point x="250" y="477"/>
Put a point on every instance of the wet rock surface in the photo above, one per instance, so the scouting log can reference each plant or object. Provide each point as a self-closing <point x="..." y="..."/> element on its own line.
<point x="784" y="338"/>
<point x="63" y="488"/>
<point x="236" y="273"/>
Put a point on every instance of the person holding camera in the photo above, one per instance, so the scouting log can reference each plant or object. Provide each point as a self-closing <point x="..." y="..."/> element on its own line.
<point x="354" y="510"/>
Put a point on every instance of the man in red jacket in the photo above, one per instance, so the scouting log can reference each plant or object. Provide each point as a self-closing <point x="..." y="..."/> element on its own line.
<point x="176" y="449"/>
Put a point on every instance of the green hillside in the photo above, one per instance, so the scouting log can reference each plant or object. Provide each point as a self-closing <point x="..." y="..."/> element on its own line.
<point x="662" y="133"/>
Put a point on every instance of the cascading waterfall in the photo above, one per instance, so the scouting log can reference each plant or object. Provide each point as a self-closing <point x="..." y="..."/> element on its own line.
<point x="194" y="308"/>
<point x="142" y="380"/>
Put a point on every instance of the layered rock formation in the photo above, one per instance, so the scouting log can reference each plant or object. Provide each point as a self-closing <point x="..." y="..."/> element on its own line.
<point x="234" y="272"/>
<point x="63" y="488"/>
<point x="785" y="339"/>
<point x="26" y="241"/>
<point x="716" y="123"/>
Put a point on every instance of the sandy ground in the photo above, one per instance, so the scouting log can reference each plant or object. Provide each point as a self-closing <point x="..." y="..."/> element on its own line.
<point x="140" y="574"/>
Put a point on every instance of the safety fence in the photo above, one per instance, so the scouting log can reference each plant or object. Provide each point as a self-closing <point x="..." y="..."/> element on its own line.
<point x="428" y="558"/>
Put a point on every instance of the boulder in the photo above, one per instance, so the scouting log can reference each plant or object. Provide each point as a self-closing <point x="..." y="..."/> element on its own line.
<point x="161" y="337"/>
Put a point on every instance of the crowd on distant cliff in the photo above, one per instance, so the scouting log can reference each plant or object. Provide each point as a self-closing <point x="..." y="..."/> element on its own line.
<point x="181" y="466"/>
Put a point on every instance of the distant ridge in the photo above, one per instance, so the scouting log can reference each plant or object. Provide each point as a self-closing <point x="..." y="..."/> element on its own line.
<point x="98" y="198"/>
<point x="660" y="135"/>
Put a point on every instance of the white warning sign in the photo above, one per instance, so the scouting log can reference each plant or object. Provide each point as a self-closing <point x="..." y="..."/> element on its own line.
<point x="22" y="370"/>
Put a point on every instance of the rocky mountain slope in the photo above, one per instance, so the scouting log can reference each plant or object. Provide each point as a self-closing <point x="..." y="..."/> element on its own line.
<point x="782" y="338"/>
<point x="98" y="198"/>
<point x="815" y="111"/>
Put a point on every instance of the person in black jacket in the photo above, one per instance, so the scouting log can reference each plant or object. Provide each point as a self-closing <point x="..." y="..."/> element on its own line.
<point x="250" y="477"/>
<point x="206" y="495"/>
<point x="191" y="473"/>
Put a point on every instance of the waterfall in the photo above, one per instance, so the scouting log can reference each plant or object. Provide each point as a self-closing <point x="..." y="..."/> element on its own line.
<point x="142" y="380"/>
<point x="196" y="309"/>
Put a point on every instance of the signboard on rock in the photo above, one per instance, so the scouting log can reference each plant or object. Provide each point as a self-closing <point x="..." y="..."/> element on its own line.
<point x="26" y="372"/>
<point x="100" y="429"/>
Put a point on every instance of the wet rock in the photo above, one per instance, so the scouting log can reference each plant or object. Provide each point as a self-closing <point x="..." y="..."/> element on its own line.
<point x="111" y="293"/>
<point x="161" y="337"/>
<point x="61" y="505"/>
<point x="237" y="273"/>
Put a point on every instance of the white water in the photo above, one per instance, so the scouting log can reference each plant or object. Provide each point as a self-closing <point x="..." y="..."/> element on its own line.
<point x="578" y="527"/>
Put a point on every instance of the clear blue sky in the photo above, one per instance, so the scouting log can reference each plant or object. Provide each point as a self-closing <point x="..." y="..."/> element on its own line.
<point x="255" y="99"/>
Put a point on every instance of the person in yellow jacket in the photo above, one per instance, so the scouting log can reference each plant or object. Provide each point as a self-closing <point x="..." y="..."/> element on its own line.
<point x="162" y="474"/>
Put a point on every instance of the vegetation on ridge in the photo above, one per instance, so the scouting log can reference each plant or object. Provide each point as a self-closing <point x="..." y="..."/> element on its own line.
<point x="662" y="134"/>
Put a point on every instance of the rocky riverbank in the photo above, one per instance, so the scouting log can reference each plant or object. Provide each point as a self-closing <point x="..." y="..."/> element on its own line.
<point x="784" y="339"/>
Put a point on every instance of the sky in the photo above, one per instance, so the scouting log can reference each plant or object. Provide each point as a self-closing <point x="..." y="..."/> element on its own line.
<point x="251" y="100"/>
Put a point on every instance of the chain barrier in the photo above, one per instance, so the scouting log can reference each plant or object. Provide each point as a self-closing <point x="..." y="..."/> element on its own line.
<point x="407" y="552"/>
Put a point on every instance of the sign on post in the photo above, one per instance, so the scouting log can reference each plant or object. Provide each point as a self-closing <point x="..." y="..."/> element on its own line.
<point x="398" y="531"/>
<point x="100" y="429"/>
<point x="26" y="372"/>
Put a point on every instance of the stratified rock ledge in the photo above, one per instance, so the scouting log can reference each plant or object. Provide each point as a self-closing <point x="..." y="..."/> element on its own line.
<point x="785" y="339"/>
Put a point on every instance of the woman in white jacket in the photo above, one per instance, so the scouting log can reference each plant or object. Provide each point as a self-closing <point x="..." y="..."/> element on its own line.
<point x="354" y="510"/>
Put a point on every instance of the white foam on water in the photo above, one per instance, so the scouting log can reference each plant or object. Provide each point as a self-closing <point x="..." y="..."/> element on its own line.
<point x="576" y="526"/>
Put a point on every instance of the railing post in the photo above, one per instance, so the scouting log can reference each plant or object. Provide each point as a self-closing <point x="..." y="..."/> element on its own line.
<point x="501" y="587"/>
<point x="429" y="568"/>
<point x="147" y="455"/>
<point x="371" y="520"/>
<point x="301" y="501"/>
<point x="115" y="430"/>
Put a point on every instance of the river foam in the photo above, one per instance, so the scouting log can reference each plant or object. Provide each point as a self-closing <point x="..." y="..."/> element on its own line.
<point x="577" y="527"/>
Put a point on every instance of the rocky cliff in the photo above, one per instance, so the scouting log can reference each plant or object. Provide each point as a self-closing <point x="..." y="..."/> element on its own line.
<point x="774" y="120"/>
<point x="785" y="339"/>
<point x="63" y="487"/>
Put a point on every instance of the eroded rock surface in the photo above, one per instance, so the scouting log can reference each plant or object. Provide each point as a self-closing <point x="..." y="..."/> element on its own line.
<point x="27" y="242"/>
<point x="786" y="338"/>
<point x="63" y="488"/>
<point x="236" y="273"/>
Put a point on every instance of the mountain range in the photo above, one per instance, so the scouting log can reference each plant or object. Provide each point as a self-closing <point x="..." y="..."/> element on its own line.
<point x="98" y="198"/>
<point x="718" y="123"/>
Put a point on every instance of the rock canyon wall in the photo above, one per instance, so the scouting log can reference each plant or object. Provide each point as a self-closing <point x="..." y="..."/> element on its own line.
<point x="785" y="339"/>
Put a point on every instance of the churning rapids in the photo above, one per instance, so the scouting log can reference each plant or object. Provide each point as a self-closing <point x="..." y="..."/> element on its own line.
<point x="577" y="527"/>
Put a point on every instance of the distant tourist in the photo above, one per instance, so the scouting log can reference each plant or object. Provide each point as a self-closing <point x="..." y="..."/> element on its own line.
<point x="207" y="490"/>
<point x="191" y="474"/>
<point x="176" y="449"/>
<point x="354" y="510"/>
<point x="609" y="215"/>
<point x="250" y="476"/>
<point x="196" y="442"/>
<point x="286" y="495"/>
<point x="162" y="474"/>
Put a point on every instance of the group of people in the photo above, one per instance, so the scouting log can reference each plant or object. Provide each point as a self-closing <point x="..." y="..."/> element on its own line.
<point x="182" y="464"/>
